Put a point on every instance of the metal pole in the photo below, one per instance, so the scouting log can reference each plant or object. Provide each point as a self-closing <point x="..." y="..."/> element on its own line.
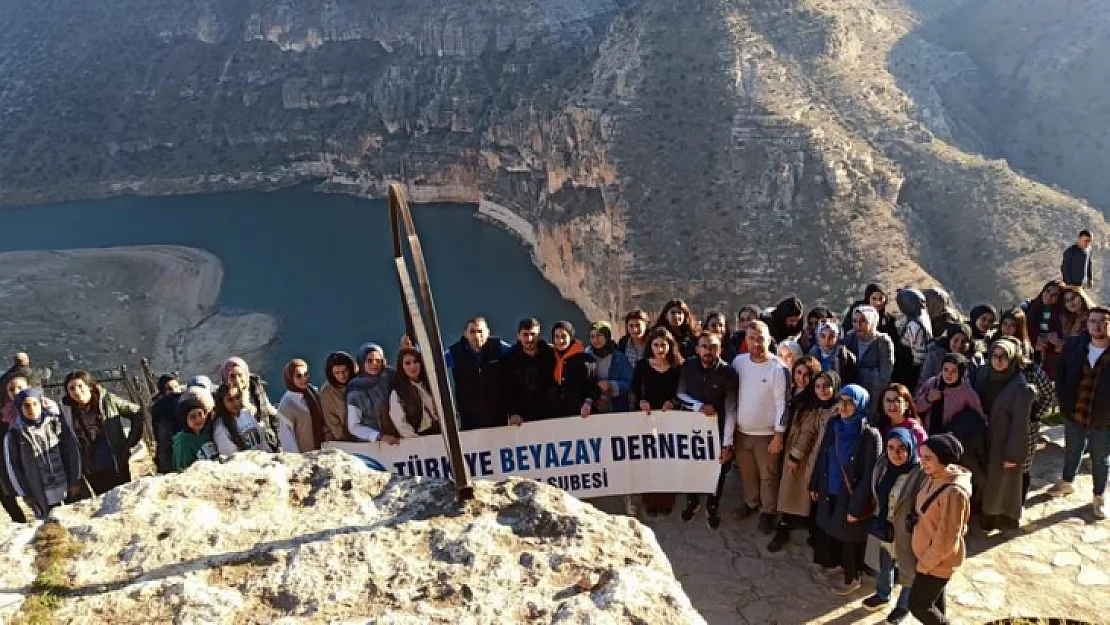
<point x="419" y="307"/>
<point x="151" y="381"/>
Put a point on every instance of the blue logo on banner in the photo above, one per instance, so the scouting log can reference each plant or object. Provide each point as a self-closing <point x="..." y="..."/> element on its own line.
<point x="370" y="462"/>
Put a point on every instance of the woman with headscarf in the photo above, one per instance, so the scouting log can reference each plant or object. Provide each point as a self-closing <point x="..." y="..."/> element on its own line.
<point x="96" y="417"/>
<point x="873" y="350"/>
<point x="165" y="418"/>
<point x="634" y="343"/>
<point x="984" y="326"/>
<point x="947" y="394"/>
<point x="194" y="442"/>
<point x="235" y="372"/>
<point x="940" y="513"/>
<point x="789" y="353"/>
<point x="832" y="355"/>
<point x="300" y="411"/>
<point x="894" y="485"/>
<point x="1008" y="402"/>
<point x="1045" y="326"/>
<point x="655" y="387"/>
<point x="955" y="340"/>
<point x="339" y="369"/>
<point x="613" y="372"/>
<point x="576" y="388"/>
<point x="786" y="320"/>
<point x="874" y="296"/>
<point x="41" y="455"/>
<point x="368" y="396"/>
<point x="915" y="333"/>
<point x="412" y="409"/>
<point x="679" y="321"/>
<point x="808" y="338"/>
<point x="1077" y="305"/>
<point x="811" y="411"/>
<point x="841" y="486"/>
<point x="1013" y="325"/>
<point x="938" y="305"/>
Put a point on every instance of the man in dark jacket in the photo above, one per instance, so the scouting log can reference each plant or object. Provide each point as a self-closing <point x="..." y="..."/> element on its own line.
<point x="1076" y="267"/>
<point x="164" y="417"/>
<point x="529" y="375"/>
<point x="708" y="385"/>
<point x="1083" y="390"/>
<point x="475" y="363"/>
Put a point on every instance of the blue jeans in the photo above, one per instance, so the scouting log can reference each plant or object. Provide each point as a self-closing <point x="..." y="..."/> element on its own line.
<point x="1078" y="439"/>
<point x="884" y="580"/>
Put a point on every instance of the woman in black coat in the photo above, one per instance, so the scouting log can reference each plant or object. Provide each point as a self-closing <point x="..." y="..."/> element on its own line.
<point x="841" y="486"/>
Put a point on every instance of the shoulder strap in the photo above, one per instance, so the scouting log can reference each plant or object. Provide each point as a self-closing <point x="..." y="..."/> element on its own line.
<point x="931" y="497"/>
<point x="839" y="464"/>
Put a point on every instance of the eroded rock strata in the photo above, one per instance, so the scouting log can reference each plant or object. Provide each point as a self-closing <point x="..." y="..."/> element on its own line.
<point x="721" y="150"/>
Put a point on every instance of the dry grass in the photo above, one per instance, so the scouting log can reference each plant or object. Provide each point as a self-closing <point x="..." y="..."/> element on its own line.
<point x="55" y="548"/>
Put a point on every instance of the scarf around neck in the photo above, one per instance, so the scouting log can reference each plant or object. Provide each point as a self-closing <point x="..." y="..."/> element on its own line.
<point x="887" y="481"/>
<point x="561" y="358"/>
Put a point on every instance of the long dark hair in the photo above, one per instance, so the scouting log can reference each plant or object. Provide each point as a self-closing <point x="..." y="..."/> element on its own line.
<point x="224" y="416"/>
<point x="689" y="328"/>
<point x="674" y="353"/>
<point x="406" y="388"/>
<point x="1021" y="334"/>
<point x="882" y="421"/>
<point x="716" y="314"/>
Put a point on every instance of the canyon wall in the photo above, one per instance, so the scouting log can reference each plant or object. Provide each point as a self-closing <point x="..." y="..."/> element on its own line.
<point x="726" y="151"/>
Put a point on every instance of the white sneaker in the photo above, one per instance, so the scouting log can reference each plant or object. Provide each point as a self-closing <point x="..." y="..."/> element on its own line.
<point x="1061" y="488"/>
<point x="1098" y="507"/>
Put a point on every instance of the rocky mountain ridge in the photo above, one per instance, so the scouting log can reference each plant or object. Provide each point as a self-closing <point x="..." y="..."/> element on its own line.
<point x="721" y="150"/>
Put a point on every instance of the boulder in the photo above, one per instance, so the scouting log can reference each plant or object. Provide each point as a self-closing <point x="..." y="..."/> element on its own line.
<point x="321" y="537"/>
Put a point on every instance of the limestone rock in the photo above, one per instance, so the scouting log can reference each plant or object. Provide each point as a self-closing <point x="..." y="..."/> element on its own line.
<point x="320" y="537"/>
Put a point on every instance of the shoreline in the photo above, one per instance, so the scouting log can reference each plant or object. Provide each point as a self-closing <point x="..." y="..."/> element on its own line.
<point x="103" y="307"/>
<point x="325" y="180"/>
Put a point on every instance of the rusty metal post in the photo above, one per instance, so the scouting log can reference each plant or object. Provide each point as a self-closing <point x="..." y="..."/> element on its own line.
<point x="422" y="325"/>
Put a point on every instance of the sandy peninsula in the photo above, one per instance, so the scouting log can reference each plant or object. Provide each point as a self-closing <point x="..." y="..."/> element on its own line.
<point x="99" y="308"/>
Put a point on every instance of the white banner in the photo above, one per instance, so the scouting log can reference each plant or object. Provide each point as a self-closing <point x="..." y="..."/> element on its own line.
<point x="605" y="454"/>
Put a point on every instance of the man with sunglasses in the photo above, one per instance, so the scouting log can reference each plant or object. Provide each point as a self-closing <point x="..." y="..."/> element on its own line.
<point x="1083" y="390"/>
<point x="707" y="385"/>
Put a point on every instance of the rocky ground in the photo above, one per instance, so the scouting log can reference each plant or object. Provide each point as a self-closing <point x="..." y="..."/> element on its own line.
<point x="1056" y="566"/>
<point x="100" y="308"/>
<point x="205" y="546"/>
<point x="321" y="538"/>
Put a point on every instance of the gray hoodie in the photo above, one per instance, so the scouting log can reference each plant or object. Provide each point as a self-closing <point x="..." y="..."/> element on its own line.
<point x="41" y="457"/>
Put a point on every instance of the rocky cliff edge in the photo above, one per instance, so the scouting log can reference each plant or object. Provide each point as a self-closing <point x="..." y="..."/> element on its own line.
<point x="321" y="537"/>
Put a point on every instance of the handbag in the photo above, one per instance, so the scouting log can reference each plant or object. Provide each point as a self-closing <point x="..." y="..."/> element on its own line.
<point x="869" y="508"/>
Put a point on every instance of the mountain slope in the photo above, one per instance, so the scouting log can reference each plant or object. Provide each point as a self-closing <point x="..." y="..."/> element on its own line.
<point x="719" y="150"/>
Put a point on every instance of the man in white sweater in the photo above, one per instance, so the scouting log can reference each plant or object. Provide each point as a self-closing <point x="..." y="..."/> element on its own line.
<point x="757" y="427"/>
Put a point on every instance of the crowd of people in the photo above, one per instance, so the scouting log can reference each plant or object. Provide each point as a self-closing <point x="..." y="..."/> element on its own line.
<point x="877" y="433"/>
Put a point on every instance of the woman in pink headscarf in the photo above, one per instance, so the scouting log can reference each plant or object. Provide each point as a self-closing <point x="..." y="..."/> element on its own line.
<point x="235" y="373"/>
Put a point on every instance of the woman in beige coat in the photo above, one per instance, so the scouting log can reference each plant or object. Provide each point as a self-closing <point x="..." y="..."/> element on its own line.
<point x="814" y="406"/>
